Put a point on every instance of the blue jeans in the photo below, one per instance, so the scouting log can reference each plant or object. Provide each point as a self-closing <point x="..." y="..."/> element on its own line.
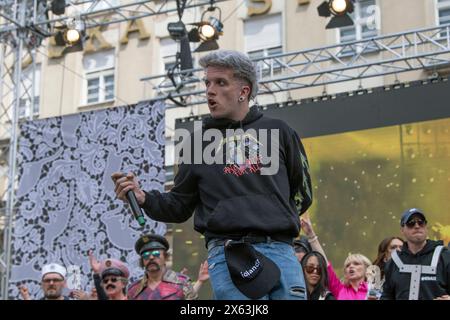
<point x="292" y="282"/>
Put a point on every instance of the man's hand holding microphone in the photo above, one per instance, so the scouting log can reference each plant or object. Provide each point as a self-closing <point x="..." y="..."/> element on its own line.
<point x="127" y="189"/>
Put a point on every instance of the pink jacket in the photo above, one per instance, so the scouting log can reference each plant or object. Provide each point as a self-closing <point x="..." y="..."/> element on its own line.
<point x="342" y="291"/>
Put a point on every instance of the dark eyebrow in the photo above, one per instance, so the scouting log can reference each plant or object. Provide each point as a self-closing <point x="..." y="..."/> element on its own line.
<point x="215" y="79"/>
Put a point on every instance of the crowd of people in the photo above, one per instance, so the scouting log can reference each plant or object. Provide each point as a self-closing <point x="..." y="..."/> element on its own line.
<point x="111" y="277"/>
<point x="385" y="278"/>
<point x="247" y="192"/>
<point x="416" y="268"/>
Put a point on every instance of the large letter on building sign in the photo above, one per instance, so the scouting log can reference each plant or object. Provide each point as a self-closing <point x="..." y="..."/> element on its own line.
<point x="54" y="51"/>
<point x="253" y="11"/>
<point x="133" y="26"/>
<point x="95" y="33"/>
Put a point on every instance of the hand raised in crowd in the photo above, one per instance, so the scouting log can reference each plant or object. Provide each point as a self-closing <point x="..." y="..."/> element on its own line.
<point x="203" y="274"/>
<point x="124" y="183"/>
<point x="184" y="271"/>
<point x="23" y="290"/>
<point x="93" y="295"/>
<point x="79" y="295"/>
<point x="307" y="227"/>
<point x="95" y="264"/>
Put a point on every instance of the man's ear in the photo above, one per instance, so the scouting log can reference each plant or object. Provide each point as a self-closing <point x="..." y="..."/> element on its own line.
<point x="246" y="91"/>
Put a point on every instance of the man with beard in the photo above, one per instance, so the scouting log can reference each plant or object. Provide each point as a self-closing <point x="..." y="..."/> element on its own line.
<point x="421" y="270"/>
<point x="53" y="282"/>
<point x="159" y="282"/>
<point x="110" y="278"/>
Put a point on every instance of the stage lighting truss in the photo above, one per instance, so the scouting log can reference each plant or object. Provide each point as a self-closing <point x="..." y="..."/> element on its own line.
<point x="207" y="31"/>
<point x="340" y="10"/>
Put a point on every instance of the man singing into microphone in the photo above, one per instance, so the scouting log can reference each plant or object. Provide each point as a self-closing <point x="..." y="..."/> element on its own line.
<point x="250" y="199"/>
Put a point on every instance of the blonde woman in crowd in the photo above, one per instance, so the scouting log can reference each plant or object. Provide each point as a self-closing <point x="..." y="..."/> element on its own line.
<point x="354" y="286"/>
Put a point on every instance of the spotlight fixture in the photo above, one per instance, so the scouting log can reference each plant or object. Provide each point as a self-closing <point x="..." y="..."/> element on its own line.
<point x="177" y="31"/>
<point x="58" y="7"/>
<point x="340" y="10"/>
<point x="207" y="32"/>
<point x="71" y="36"/>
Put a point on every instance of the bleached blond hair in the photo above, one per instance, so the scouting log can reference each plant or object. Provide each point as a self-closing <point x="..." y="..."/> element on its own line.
<point x="358" y="258"/>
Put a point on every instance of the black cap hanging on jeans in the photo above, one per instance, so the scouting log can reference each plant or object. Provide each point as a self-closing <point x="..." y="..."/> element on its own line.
<point x="252" y="273"/>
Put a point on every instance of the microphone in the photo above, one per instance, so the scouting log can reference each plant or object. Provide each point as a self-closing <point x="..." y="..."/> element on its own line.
<point x="137" y="211"/>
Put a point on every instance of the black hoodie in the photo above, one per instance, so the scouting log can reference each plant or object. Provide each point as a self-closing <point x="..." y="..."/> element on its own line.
<point x="232" y="201"/>
<point x="396" y="286"/>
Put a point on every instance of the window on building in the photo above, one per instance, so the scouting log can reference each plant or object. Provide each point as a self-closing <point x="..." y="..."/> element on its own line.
<point x="263" y="37"/>
<point x="99" y="77"/>
<point x="443" y="14"/>
<point x="443" y="7"/>
<point x="365" y="24"/>
<point x="29" y="95"/>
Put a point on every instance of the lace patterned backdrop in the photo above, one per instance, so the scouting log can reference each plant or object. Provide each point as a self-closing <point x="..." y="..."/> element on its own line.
<point x="66" y="201"/>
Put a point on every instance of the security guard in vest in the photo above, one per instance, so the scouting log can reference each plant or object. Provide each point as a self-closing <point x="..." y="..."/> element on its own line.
<point x="421" y="271"/>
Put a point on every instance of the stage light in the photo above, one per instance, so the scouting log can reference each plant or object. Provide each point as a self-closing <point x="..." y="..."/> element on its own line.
<point x="71" y="35"/>
<point x="207" y="32"/>
<point x="177" y="31"/>
<point x="58" y="7"/>
<point x="338" y="6"/>
<point x="340" y="10"/>
<point x="75" y="31"/>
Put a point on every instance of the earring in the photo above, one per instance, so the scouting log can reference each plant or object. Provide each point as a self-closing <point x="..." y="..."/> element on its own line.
<point x="241" y="98"/>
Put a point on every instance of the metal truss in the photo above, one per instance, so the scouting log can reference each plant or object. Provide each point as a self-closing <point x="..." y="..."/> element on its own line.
<point x="16" y="50"/>
<point x="390" y="54"/>
<point x="94" y="13"/>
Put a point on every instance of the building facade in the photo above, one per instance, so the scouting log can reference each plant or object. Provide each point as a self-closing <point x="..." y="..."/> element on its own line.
<point x="109" y="70"/>
<point x="115" y="58"/>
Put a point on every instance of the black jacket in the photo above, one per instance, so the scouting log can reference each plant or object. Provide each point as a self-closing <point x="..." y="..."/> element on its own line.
<point x="230" y="202"/>
<point x="396" y="286"/>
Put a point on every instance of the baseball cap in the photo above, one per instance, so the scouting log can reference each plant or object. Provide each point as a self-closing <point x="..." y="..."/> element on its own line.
<point x="251" y="272"/>
<point x="408" y="214"/>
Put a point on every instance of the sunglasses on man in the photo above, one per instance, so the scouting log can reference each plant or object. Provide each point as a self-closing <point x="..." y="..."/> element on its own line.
<point x="155" y="253"/>
<point x="112" y="279"/>
<point x="412" y="223"/>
